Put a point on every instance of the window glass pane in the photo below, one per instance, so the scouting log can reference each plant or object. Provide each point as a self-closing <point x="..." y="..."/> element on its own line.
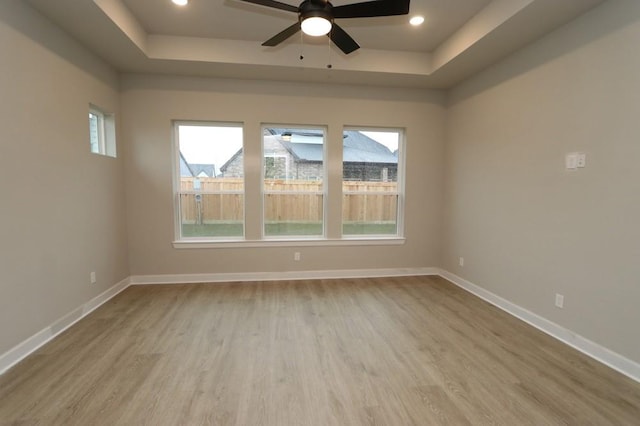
<point x="369" y="214"/>
<point x="293" y="214"/>
<point x="370" y="182"/>
<point x="212" y="215"/>
<point x="293" y="170"/>
<point x="102" y="132"/>
<point x="94" y="134"/>
<point x="211" y="190"/>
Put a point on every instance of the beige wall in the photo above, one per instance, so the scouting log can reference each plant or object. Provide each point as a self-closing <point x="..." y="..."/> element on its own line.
<point x="62" y="208"/>
<point x="149" y="104"/>
<point x="528" y="228"/>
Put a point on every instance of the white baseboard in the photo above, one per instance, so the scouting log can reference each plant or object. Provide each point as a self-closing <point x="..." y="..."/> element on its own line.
<point x="276" y="276"/>
<point x="25" y="348"/>
<point x="598" y="352"/>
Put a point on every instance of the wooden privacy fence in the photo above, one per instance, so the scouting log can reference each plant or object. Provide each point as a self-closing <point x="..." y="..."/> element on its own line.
<point x="221" y="199"/>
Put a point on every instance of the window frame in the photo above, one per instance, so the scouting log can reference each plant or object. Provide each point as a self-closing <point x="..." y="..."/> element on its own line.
<point x="106" y="132"/>
<point x="264" y="192"/>
<point x="177" y="191"/>
<point x="400" y="184"/>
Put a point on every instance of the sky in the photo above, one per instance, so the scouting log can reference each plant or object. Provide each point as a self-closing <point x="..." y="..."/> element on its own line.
<point x="217" y="144"/>
<point x="209" y="145"/>
<point x="389" y="139"/>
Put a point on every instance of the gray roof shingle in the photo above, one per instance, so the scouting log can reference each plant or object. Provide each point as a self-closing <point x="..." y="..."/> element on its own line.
<point x="357" y="147"/>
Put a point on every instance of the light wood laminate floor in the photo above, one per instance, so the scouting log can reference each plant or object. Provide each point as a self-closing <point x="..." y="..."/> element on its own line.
<point x="384" y="351"/>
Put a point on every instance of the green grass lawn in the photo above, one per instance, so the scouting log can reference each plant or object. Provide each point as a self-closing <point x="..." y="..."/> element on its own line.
<point x="285" y="228"/>
<point x="369" y="229"/>
<point x="213" y="230"/>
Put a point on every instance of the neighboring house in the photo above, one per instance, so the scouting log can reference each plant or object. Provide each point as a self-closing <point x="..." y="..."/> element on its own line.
<point x="196" y="170"/>
<point x="297" y="154"/>
<point x="367" y="160"/>
<point x="185" y="169"/>
<point x="203" y="170"/>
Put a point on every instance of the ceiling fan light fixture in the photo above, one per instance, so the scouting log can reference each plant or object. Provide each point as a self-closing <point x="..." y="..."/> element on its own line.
<point x="316" y="26"/>
<point x="180" y="2"/>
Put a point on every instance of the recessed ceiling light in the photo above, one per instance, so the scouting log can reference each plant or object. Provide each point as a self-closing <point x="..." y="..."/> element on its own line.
<point x="416" y="20"/>
<point x="180" y="2"/>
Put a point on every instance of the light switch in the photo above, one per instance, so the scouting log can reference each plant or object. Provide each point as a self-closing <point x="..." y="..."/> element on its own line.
<point x="571" y="161"/>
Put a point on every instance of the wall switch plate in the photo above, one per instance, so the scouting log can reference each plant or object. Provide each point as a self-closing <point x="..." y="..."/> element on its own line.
<point x="461" y="261"/>
<point x="296" y="256"/>
<point x="92" y="277"/>
<point x="582" y="160"/>
<point x="559" y="300"/>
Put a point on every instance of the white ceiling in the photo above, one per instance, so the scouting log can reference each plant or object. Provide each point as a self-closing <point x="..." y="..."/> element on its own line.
<point x="222" y="38"/>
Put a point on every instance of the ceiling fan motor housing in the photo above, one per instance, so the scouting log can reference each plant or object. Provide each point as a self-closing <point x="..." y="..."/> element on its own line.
<point x="315" y="8"/>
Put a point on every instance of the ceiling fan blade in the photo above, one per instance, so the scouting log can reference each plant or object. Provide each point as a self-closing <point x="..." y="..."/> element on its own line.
<point x="283" y="35"/>
<point x="274" y="4"/>
<point x="373" y="8"/>
<point x="340" y="38"/>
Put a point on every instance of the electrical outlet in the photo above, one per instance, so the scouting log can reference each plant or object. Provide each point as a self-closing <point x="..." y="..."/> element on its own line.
<point x="92" y="277"/>
<point x="461" y="261"/>
<point x="559" y="300"/>
<point x="296" y="256"/>
<point x="575" y="160"/>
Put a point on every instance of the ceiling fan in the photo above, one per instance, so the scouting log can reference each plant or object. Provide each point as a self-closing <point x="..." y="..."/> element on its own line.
<point x="316" y="18"/>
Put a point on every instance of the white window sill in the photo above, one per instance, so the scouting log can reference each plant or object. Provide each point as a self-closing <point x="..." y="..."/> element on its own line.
<point x="320" y="242"/>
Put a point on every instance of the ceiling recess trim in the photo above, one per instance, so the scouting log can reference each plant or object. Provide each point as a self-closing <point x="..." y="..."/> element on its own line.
<point x="497" y="30"/>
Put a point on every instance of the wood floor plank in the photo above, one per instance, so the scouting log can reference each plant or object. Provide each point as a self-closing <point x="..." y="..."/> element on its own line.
<point x="383" y="351"/>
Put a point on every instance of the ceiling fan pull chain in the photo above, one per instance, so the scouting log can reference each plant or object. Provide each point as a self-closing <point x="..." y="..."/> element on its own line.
<point x="301" y="46"/>
<point x="329" y="64"/>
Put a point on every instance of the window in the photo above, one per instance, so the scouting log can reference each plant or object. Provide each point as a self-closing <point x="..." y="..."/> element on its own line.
<point x="370" y="181"/>
<point x="102" y="132"/>
<point x="209" y="183"/>
<point x="287" y="186"/>
<point x="293" y="170"/>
